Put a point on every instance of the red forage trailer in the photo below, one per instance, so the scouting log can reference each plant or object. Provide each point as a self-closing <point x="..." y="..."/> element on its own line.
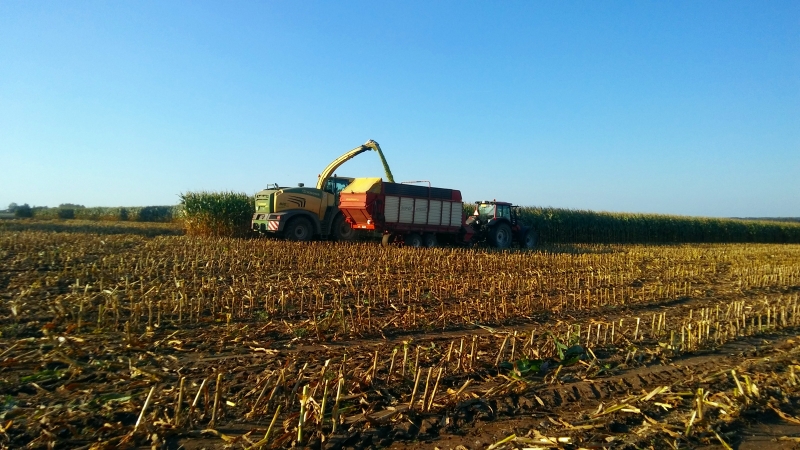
<point x="413" y="214"/>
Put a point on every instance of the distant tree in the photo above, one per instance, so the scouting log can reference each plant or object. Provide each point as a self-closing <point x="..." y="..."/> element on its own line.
<point x="23" y="211"/>
<point x="70" y="205"/>
<point x="12" y="207"/>
<point x="155" y="214"/>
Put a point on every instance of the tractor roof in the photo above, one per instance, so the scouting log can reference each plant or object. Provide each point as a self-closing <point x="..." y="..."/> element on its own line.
<point x="492" y="202"/>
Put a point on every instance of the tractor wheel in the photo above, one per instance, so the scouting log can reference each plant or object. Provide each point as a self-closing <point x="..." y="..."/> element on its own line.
<point x="413" y="240"/>
<point x="299" y="229"/>
<point x="341" y="229"/>
<point x="429" y="239"/>
<point x="528" y="241"/>
<point x="500" y="236"/>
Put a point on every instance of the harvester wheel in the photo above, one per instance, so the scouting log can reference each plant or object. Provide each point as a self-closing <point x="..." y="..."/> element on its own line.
<point x="413" y="240"/>
<point x="387" y="240"/>
<point x="529" y="240"/>
<point x="341" y="229"/>
<point x="299" y="229"/>
<point x="429" y="240"/>
<point x="500" y="236"/>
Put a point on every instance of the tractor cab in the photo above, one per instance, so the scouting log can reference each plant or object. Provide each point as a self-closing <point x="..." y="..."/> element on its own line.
<point x="489" y="211"/>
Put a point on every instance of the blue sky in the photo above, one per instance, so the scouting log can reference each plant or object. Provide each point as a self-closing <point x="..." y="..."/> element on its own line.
<point x="688" y="108"/>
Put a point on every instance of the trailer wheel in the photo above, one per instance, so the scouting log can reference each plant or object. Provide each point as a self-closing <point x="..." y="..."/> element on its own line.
<point x="299" y="229"/>
<point x="387" y="240"/>
<point x="341" y="229"/>
<point x="429" y="239"/>
<point x="529" y="240"/>
<point x="500" y="235"/>
<point x="413" y="240"/>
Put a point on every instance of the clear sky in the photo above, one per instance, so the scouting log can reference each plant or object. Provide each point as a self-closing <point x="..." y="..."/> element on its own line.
<point x="678" y="107"/>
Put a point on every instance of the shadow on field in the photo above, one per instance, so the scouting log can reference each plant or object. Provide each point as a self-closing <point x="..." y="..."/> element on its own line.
<point x="577" y="249"/>
<point x="580" y="249"/>
<point x="147" y="229"/>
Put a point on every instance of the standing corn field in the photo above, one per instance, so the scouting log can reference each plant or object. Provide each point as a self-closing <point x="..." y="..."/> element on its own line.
<point x="216" y="213"/>
<point x="556" y="225"/>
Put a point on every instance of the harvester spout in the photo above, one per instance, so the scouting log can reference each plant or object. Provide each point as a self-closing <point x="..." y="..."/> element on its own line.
<point x="386" y="169"/>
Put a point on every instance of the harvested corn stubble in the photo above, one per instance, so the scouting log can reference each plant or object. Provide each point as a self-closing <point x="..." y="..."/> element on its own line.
<point x="380" y="346"/>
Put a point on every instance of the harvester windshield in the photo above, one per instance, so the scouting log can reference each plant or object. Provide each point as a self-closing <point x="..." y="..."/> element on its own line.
<point x="335" y="185"/>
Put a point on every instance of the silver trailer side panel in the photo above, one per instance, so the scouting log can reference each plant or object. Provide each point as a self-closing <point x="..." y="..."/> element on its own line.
<point x="435" y="214"/>
<point x="446" y="207"/>
<point x="392" y="209"/>
<point x="420" y="211"/>
<point x="456" y="213"/>
<point x="406" y="210"/>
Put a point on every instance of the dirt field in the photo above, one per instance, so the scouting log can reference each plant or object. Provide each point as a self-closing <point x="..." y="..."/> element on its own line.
<point x="132" y="336"/>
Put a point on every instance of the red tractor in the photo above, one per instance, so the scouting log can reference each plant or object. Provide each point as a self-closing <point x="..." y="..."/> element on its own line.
<point x="498" y="224"/>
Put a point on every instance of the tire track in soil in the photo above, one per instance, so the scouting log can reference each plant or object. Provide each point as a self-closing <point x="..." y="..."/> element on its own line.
<point x="525" y="324"/>
<point x="478" y="430"/>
